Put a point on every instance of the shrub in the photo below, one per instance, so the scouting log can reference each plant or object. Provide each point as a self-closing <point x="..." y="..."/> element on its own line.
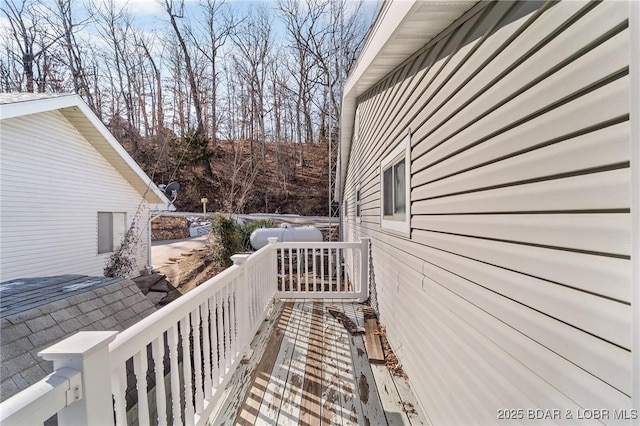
<point x="228" y="238"/>
<point x="247" y="229"/>
<point x="225" y="239"/>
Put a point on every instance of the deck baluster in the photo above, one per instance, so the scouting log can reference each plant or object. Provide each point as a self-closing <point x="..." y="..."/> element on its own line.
<point x="119" y="389"/>
<point x="314" y="253"/>
<point x="185" y="330"/>
<point x="227" y="330"/>
<point x="157" y="349"/>
<point x="291" y="270"/>
<point x="282" y="275"/>
<point x="172" y="340"/>
<point x="306" y="269"/>
<point x="206" y="347"/>
<point x="215" y="351"/>
<point x="222" y="355"/>
<point x="197" y="360"/>
<point x="233" y="321"/>
<point x="140" y="366"/>
<point x="338" y="270"/>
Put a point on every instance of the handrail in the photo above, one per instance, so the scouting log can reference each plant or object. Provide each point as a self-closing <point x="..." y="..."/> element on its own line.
<point x="317" y="245"/>
<point x="323" y="270"/>
<point x="198" y="340"/>
<point x="43" y="399"/>
<point x="129" y="340"/>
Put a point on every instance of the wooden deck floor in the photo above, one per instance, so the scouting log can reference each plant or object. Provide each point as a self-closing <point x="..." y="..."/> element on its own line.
<point x="306" y="369"/>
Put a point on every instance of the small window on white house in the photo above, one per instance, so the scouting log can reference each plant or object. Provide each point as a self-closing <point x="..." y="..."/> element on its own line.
<point x="395" y="176"/>
<point x="111" y="229"/>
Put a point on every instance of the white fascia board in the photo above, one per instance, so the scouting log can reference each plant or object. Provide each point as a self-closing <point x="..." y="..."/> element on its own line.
<point x="387" y="23"/>
<point x="36" y="105"/>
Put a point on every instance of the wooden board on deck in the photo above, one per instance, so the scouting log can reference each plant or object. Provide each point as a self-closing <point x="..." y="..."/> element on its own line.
<point x="372" y="337"/>
<point x="369" y="409"/>
<point x="313" y="372"/>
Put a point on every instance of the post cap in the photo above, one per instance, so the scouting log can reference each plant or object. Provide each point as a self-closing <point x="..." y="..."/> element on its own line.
<point x="239" y="259"/>
<point x="81" y="344"/>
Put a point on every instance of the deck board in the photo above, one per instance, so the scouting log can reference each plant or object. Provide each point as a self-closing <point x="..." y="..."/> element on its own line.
<point x="311" y="408"/>
<point x="311" y="371"/>
<point x="331" y="398"/>
<point x="292" y="393"/>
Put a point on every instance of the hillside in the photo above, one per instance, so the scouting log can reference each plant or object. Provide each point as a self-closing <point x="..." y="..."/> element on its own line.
<point x="232" y="181"/>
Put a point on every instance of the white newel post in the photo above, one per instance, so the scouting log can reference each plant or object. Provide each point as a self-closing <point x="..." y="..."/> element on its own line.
<point x="273" y="279"/>
<point x="87" y="352"/>
<point x="243" y="295"/>
<point x="364" y="268"/>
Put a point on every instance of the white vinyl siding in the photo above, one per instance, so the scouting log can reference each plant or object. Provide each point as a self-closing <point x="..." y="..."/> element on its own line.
<point x="54" y="183"/>
<point x="514" y="289"/>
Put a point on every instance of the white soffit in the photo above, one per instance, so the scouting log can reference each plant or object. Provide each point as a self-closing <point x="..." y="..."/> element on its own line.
<point x="401" y="28"/>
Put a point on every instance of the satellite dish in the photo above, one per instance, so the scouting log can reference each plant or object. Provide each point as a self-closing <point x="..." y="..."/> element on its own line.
<point x="171" y="190"/>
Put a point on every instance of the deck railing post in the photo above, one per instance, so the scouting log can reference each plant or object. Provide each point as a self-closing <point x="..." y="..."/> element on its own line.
<point x="273" y="278"/>
<point x="364" y="269"/>
<point x="87" y="352"/>
<point x="243" y="302"/>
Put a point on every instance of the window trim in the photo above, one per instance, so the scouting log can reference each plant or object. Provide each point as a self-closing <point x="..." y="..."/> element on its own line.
<point x="116" y="234"/>
<point x="400" y="223"/>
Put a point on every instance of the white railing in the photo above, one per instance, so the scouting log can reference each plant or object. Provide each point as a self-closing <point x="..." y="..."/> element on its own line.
<point x="203" y="333"/>
<point x="169" y="368"/>
<point x="326" y="270"/>
<point x="43" y="399"/>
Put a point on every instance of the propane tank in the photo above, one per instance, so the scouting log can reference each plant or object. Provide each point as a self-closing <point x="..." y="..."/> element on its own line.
<point x="285" y="234"/>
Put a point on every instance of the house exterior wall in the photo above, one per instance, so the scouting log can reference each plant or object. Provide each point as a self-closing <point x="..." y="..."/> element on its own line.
<point x="513" y="289"/>
<point x="54" y="183"/>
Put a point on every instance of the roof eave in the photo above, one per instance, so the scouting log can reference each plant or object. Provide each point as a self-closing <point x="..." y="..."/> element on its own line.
<point x="98" y="136"/>
<point x="401" y="28"/>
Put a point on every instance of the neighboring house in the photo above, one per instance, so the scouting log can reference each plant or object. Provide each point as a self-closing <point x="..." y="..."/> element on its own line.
<point x="486" y="150"/>
<point x="69" y="190"/>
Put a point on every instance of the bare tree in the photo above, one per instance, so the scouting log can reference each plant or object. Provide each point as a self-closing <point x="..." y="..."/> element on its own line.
<point x="64" y="21"/>
<point x="335" y="49"/>
<point x="32" y="39"/>
<point x="176" y="11"/>
<point x="157" y="105"/>
<point x="302" y="21"/>
<point x="238" y="185"/>
<point x="114" y="25"/>
<point x="219" y="25"/>
<point x="253" y="41"/>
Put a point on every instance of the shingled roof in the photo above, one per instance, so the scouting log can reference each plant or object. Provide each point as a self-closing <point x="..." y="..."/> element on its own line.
<point x="35" y="313"/>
